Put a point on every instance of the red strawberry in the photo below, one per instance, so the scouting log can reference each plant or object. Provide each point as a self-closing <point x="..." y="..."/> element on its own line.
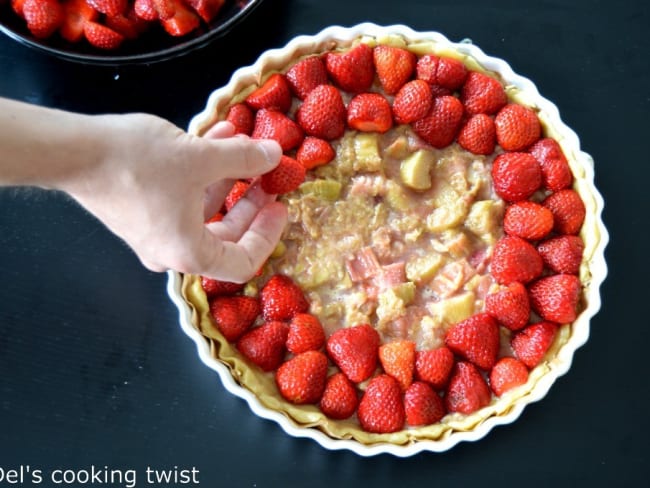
<point x="427" y="68"/>
<point x="237" y="191"/>
<point x="306" y="75"/>
<point x="109" y="7"/>
<point x="215" y="288"/>
<point x="128" y="24"/>
<point x="528" y="220"/>
<point x="517" y="127"/>
<point x="381" y="409"/>
<point x="482" y="94"/>
<point x="507" y="373"/>
<point x="447" y="73"/>
<point x="412" y="102"/>
<point x="562" y="254"/>
<point x="281" y="298"/>
<point x="145" y="10"/>
<point x="434" y="366"/>
<point x="509" y="306"/>
<point x="182" y="22"/>
<point x="101" y="36"/>
<point x="274" y="94"/>
<point x="305" y="333"/>
<point x="234" y="315"/>
<point x="370" y="112"/>
<point x="478" y="134"/>
<point x="398" y="360"/>
<point x="323" y="114"/>
<point x="556" y="297"/>
<point x="467" y="391"/>
<point x="476" y="339"/>
<point x="568" y="211"/>
<point x="17" y="6"/>
<point x="355" y="351"/>
<point x="242" y="117"/>
<point x="75" y="14"/>
<point x="264" y="345"/>
<point x="270" y="124"/>
<point x="394" y="66"/>
<point x="353" y="70"/>
<point x="165" y="8"/>
<point x="516" y="176"/>
<point x="440" y="126"/>
<point x="339" y="400"/>
<point x="422" y="405"/>
<point x="514" y="259"/>
<point x="556" y="172"/>
<point x="43" y="17"/>
<point x="217" y="217"/>
<point x="207" y="9"/>
<point x="530" y="344"/>
<point x="285" y="177"/>
<point x="314" y="152"/>
<point x="302" y="378"/>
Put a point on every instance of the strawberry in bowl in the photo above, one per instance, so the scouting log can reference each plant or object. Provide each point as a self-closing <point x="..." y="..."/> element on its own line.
<point x="444" y="247"/>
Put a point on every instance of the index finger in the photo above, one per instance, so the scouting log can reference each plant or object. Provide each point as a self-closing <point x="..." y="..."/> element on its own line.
<point x="240" y="157"/>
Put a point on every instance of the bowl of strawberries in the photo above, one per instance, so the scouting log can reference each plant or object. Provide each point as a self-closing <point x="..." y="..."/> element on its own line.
<point x="117" y="32"/>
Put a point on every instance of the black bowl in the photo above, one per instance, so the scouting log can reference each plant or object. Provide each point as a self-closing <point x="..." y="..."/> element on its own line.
<point x="152" y="46"/>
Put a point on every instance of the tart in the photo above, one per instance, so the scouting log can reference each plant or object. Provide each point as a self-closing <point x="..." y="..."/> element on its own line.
<point x="444" y="250"/>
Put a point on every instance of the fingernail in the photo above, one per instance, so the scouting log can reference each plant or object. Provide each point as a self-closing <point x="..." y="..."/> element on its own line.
<point x="272" y="151"/>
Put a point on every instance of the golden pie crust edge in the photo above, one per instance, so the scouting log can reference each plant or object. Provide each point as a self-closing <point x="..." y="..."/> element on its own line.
<point x="593" y="233"/>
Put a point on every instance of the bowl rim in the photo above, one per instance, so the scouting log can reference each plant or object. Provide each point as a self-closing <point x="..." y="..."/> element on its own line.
<point x="219" y="29"/>
<point x="597" y="265"/>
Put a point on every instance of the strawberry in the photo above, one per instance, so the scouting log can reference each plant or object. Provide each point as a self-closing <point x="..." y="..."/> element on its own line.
<point x="514" y="259"/>
<point x="101" y="36"/>
<point x="562" y="254"/>
<point x="398" y="360"/>
<point x="556" y="297"/>
<point x="556" y="173"/>
<point x="412" y="102"/>
<point x="381" y="409"/>
<point x="476" y="339"/>
<point x="145" y="10"/>
<point x="264" y="345"/>
<point x="217" y="217"/>
<point x="440" y="126"/>
<point x="127" y="24"/>
<point x="568" y="211"/>
<point x="353" y="70"/>
<point x="516" y="176"/>
<point x="314" y="152"/>
<point x="306" y="75"/>
<point x="507" y="373"/>
<point x="17" y="6"/>
<point x="166" y="9"/>
<point x="207" y="9"/>
<point x="183" y="20"/>
<point x="394" y="66"/>
<point x="270" y="124"/>
<point x="422" y="405"/>
<point x="43" y="17"/>
<point x="75" y="14"/>
<point x="234" y="315"/>
<point x="109" y="7"/>
<point x="274" y="94"/>
<point x="517" y="127"/>
<point x="281" y="298"/>
<point x="355" y="351"/>
<point x="339" y="400"/>
<point x="213" y="288"/>
<point x="305" y="333"/>
<point x="478" y="134"/>
<point x="302" y="378"/>
<point x="285" y="177"/>
<point x="482" y="94"/>
<point x="530" y="344"/>
<point x="242" y="117"/>
<point x="434" y="366"/>
<point x="447" y="73"/>
<point x="509" y="306"/>
<point x="370" y="112"/>
<point x="467" y="391"/>
<point x="238" y="190"/>
<point x="322" y="113"/>
<point x="528" y="220"/>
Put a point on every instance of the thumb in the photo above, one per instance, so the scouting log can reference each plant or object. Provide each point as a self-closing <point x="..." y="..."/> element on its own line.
<point x="241" y="157"/>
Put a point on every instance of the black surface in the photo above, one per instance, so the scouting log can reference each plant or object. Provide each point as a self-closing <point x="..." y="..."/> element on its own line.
<point x="94" y="368"/>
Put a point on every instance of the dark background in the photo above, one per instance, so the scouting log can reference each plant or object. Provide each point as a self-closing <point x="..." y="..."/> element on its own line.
<point x="94" y="368"/>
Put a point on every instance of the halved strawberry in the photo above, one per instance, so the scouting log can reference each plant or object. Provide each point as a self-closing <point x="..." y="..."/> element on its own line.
<point x="478" y="134"/>
<point x="274" y="94"/>
<point x="166" y="8"/>
<point x="440" y="126"/>
<point x="305" y="333"/>
<point x="556" y="172"/>
<point x="444" y="72"/>
<point x="467" y="391"/>
<point x="213" y="288"/>
<point x="370" y="112"/>
<point x="528" y="220"/>
<point x="109" y="7"/>
<point x="482" y="94"/>
<point x="434" y="366"/>
<point x="314" y="152"/>
<point x="531" y="344"/>
<point x="507" y="374"/>
<point x="281" y="298"/>
<point x="270" y="124"/>
<point x="515" y="259"/>
<point x="127" y="24"/>
<point x="556" y="297"/>
<point x="355" y="351"/>
<point x="265" y="345"/>
<point x="242" y="117"/>
<point x="562" y="254"/>
<point x="301" y="379"/>
<point x="285" y="177"/>
<point x="75" y="15"/>
<point x="182" y="21"/>
<point x="398" y="360"/>
<point x="394" y="66"/>
<point x="43" y="17"/>
<point x="353" y="70"/>
<point x="323" y="114"/>
<point x="381" y="409"/>
<point x="568" y="211"/>
<point x="476" y="339"/>
<point x="517" y="127"/>
<point x="340" y="398"/>
<point x="145" y="10"/>
<point x="102" y="37"/>
<point x="207" y="9"/>
<point x="305" y="75"/>
<point x="234" y="315"/>
<point x="509" y="306"/>
<point x="412" y="102"/>
<point x="516" y="176"/>
<point x="422" y="405"/>
<point x="238" y="190"/>
<point x="17" y="6"/>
